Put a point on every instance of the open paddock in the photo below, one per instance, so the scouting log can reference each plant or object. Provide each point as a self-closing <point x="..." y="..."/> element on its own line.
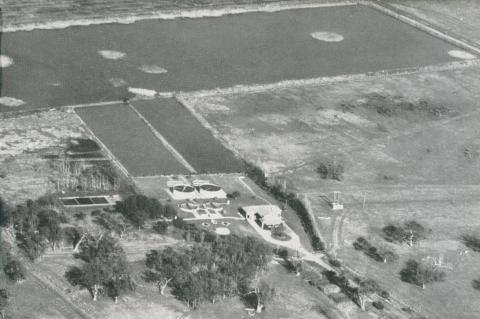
<point x="406" y="129"/>
<point x="448" y="222"/>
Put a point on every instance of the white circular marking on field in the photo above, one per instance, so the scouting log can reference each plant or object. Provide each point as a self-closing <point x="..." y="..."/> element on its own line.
<point x="5" y="61"/>
<point x="11" y="101"/>
<point x="327" y="36"/>
<point x="112" y="55"/>
<point x="222" y="231"/>
<point x="461" y="54"/>
<point x="117" y="82"/>
<point x="153" y="69"/>
<point x="144" y="92"/>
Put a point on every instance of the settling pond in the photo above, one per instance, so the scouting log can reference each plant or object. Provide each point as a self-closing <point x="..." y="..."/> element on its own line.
<point x="99" y="62"/>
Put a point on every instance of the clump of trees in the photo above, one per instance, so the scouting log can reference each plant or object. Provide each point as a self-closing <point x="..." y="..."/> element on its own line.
<point x="330" y="170"/>
<point x="36" y="225"/>
<point x="139" y="208"/>
<point x="111" y="223"/>
<point x="77" y="176"/>
<point x="258" y="176"/>
<point x="233" y="195"/>
<point x="394" y="105"/>
<point x="378" y="304"/>
<point x="359" y="292"/>
<point x="420" y="274"/>
<point x="14" y="270"/>
<point x="104" y="268"/>
<point x="476" y="284"/>
<point x="410" y="232"/>
<point x="293" y="263"/>
<point x="365" y="288"/>
<point x="160" y="227"/>
<point x="472" y="242"/>
<point x="210" y="271"/>
<point x="279" y="233"/>
<point x="262" y="293"/>
<point x="378" y="254"/>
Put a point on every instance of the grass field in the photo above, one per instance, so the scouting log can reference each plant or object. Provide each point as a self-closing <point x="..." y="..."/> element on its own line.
<point x="188" y="136"/>
<point x="63" y="67"/>
<point x="390" y="134"/>
<point x="461" y="17"/>
<point x="130" y="140"/>
<point x="453" y="298"/>
<point x="290" y="131"/>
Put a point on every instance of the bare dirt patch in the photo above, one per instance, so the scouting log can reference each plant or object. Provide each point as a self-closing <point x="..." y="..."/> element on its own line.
<point x="327" y="36"/>
<point x="11" y="101"/>
<point x="153" y="69"/>
<point x="461" y="54"/>
<point x="5" y="61"/>
<point x="117" y="82"/>
<point x="112" y="55"/>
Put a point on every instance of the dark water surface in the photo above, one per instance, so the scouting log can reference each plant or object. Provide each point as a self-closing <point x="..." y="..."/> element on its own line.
<point x="130" y="140"/>
<point x="62" y="67"/>
<point x="189" y="137"/>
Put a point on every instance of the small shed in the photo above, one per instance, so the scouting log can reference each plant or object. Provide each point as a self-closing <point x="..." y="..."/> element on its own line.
<point x="330" y="289"/>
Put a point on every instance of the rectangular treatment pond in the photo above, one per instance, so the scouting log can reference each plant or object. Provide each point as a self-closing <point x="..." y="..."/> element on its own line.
<point x="85" y="64"/>
<point x="189" y="137"/>
<point x="130" y="140"/>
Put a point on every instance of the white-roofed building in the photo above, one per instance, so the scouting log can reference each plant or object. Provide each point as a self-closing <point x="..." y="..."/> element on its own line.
<point x="268" y="216"/>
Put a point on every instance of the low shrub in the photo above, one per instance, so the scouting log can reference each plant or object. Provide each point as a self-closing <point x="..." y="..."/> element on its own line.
<point x="95" y="213"/>
<point x="380" y="255"/>
<point x="233" y="195"/>
<point x="79" y="216"/>
<point x="282" y="253"/>
<point x="378" y="304"/>
<point x="472" y="242"/>
<point x="330" y="170"/>
<point x="384" y="294"/>
<point x="335" y="262"/>
<point x="160" y="227"/>
<point x="14" y="270"/>
<point x="476" y="284"/>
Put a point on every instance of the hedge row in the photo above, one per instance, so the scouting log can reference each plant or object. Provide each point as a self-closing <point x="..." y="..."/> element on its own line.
<point x="258" y="176"/>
